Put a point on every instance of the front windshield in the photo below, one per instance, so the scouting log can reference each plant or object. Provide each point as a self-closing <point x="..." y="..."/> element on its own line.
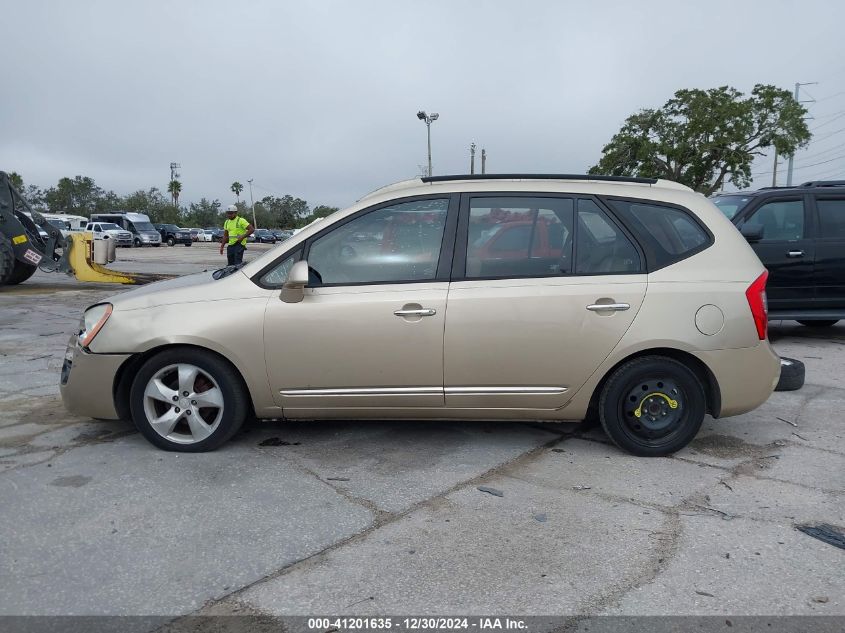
<point x="730" y="205"/>
<point x="144" y="226"/>
<point x="108" y="226"/>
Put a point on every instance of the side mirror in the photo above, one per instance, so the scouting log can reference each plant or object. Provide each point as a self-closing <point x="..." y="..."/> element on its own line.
<point x="293" y="290"/>
<point x="752" y="232"/>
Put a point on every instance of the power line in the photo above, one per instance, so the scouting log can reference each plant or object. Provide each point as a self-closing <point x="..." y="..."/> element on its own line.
<point x="826" y="151"/>
<point x="833" y="96"/>
<point x="822" y="162"/>
<point x="824" y="138"/>
<point x="839" y="115"/>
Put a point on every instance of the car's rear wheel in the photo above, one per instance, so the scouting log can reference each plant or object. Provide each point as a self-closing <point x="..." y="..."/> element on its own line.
<point x="652" y="406"/>
<point x="827" y="323"/>
<point x="187" y="400"/>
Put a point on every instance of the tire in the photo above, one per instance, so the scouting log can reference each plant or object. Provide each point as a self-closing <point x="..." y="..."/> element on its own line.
<point x="189" y="243"/>
<point x="12" y="271"/>
<point x="177" y="429"/>
<point x="170" y="241"/>
<point x="136" y="243"/>
<point x="791" y="375"/>
<point x="655" y="382"/>
<point x="157" y="245"/>
<point x="7" y="260"/>
<point x="827" y="323"/>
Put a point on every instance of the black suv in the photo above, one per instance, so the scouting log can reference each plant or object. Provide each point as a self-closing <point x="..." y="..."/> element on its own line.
<point x="799" y="235"/>
<point x="172" y="234"/>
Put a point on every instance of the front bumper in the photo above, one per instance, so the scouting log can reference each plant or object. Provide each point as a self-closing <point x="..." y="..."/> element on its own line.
<point x="87" y="383"/>
<point x="150" y="239"/>
<point x="746" y="376"/>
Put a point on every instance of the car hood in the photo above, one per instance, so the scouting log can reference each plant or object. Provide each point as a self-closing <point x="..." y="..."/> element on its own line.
<point x="187" y="289"/>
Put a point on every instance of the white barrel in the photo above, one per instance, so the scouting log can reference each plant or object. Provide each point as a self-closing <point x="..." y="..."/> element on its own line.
<point x="112" y="250"/>
<point x="101" y="250"/>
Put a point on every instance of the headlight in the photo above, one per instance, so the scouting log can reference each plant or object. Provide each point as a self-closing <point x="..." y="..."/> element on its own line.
<point x="93" y="320"/>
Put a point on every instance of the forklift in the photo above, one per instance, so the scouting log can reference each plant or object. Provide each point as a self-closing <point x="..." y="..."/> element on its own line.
<point x="24" y="248"/>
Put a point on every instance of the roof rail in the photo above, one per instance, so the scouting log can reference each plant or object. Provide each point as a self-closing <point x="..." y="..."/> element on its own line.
<point x="645" y="181"/>
<point x="824" y="183"/>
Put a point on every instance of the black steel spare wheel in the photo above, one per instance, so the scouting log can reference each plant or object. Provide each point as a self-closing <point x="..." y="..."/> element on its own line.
<point x="652" y="406"/>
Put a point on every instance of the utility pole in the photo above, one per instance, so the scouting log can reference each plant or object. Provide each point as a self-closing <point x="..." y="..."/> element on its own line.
<point x="252" y="204"/>
<point x="483" y="161"/>
<point x="429" y="119"/>
<point x="797" y="90"/>
<point x="472" y="158"/>
<point x="775" y="171"/>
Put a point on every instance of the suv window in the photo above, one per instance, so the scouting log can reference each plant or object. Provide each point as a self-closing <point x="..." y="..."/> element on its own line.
<point x="519" y="237"/>
<point x="831" y="218"/>
<point x="782" y="220"/>
<point x="601" y="247"/>
<point x="396" y="243"/>
<point x="667" y="234"/>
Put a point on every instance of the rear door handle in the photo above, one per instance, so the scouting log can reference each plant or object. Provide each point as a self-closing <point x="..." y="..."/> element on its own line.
<point x="795" y="254"/>
<point x="611" y="307"/>
<point x="421" y="312"/>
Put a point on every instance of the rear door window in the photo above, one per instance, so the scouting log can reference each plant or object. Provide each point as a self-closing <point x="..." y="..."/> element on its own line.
<point x="601" y="246"/>
<point x="516" y="236"/>
<point x="831" y="218"/>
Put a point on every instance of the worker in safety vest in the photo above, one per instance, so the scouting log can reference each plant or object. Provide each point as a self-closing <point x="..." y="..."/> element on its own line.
<point x="236" y="230"/>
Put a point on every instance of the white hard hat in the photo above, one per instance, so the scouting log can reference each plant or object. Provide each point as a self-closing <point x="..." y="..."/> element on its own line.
<point x="231" y="207"/>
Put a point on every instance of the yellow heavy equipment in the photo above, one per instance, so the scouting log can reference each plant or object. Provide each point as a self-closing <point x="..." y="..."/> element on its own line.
<point x="24" y="248"/>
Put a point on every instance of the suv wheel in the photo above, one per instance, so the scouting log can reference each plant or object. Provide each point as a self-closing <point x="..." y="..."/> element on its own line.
<point x="187" y="400"/>
<point x="170" y="241"/>
<point x="652" y="406"/>
<point x="827" y="323"/>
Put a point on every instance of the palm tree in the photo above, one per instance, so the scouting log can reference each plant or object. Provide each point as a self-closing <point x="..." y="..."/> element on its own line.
<point x="174" y="188"/>
<point x="236" y="189"/>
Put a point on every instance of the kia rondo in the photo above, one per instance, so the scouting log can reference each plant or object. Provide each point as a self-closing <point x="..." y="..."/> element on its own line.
<point x="513" y="297"/>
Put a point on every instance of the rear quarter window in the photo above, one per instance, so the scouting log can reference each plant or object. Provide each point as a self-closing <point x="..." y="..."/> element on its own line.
<point x="666" y="233"/>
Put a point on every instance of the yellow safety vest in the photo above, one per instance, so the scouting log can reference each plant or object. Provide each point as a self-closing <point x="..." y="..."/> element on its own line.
<point x="236" y="228"/>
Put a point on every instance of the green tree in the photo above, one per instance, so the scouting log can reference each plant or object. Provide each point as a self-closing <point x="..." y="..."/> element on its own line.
<point x="174" y="188"/>
<point x="205" y="213"/>
<point x="16" y="180"/>
<point x="77" y="196"/>
<point x="152" y="202"/>
<point x="236" y="189"/>
<point x="281" y="212"/>
<point x="700" y="137"/>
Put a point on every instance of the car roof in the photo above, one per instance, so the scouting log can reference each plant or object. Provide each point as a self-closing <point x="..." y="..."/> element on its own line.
<point x="814" y="186"/>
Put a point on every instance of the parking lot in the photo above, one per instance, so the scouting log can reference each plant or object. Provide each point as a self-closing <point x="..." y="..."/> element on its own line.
<point x="386" y="518"/>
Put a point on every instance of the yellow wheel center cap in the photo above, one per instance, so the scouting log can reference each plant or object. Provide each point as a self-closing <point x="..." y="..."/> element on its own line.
<point x="673" y="404"/>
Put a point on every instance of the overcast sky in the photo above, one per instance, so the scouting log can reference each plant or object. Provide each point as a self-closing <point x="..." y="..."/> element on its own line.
<point x="318" y="99"/>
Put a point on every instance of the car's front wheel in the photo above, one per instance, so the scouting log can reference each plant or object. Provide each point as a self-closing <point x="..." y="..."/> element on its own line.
<point x="652" y="406"/>
<point x="170" y="241"/>
<point x="187" y="400"/>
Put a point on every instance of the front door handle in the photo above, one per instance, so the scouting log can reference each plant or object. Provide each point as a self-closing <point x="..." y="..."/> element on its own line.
<point x="795" y="254"/>
<point x="610" y="307"/>
<point x="420" y="312"/>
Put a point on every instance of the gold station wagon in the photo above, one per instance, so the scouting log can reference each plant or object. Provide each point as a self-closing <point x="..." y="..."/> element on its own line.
<point x="511" y="297"/>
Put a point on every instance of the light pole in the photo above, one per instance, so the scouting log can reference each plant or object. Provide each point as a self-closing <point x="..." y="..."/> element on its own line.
<point x="429" y="119"/>
<point x="252" y="204"/>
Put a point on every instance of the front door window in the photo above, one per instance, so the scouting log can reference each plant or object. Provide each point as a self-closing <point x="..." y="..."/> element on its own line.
<point x="398" y="243"/>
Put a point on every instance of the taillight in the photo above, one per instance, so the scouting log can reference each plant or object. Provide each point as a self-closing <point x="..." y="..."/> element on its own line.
<point x="756" y="295"/>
